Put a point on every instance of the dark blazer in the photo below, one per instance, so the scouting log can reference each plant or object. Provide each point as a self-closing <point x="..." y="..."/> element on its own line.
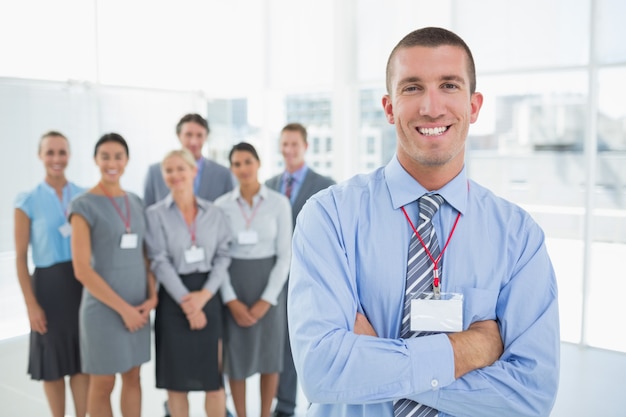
<point x="313" y="182"/>
<point x="216" y="180"/>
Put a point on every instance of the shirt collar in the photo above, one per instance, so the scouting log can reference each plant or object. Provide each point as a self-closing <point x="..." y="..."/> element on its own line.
<point x="169" y="202"/>
<point x="298" y="175"/>
<point x="236" y="194"/>
<point x="51" y="189"/>
<point x="404" y="189"/>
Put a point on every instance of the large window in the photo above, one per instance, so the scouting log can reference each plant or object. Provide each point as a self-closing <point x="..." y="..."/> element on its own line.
<point x="551" y="135"/>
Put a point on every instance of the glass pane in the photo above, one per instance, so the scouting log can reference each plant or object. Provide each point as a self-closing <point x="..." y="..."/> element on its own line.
<point x="526" y="146"/>
<point x="377" y="138"/>
<point x="611" y="31"/>
<point x="608" y="256"/>
<point x="300" y="44"/>
<point x="188" y="44"/>
<point x="52" y="40"/>
<point x="524" y="33"/>
<point x="381" y="25"/>
<point x="612" y="109"/>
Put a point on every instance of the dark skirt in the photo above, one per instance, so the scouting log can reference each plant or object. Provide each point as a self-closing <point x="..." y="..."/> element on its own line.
<point x="57" y="353"/>
<point x="259" y="348"/>
<point x="187" y="360"/>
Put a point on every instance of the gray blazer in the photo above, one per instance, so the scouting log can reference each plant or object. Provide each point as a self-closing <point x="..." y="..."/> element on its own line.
<point x="216" y="180"/>
<point x="313" y="182"/>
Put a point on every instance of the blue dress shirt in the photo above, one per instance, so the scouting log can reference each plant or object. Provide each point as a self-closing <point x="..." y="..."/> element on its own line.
<point x="298" y="178"/>
<point x="47" y="213"/>
<point x="350" y="251"/>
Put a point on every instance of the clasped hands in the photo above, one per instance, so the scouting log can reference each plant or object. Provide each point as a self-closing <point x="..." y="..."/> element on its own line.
<point x="477" y="347"/>
<point x="247" y="317"/>
<point x="135" y="317"/>
<point x="192" y="304"/>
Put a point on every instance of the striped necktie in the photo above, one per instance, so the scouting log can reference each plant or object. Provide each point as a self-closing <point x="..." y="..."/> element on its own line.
<point x="419" y="278"/>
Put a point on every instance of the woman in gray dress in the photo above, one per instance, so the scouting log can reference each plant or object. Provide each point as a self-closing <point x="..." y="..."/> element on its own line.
<point x="254" y="334"/>
<point x="108" y="229"/>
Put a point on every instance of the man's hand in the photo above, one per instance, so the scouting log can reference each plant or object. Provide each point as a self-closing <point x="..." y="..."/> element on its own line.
<point x="362" y="326"/>
<point x="477" y="347"/>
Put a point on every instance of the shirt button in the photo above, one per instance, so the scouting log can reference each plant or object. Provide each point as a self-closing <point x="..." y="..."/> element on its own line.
<point x="434" y="383"/>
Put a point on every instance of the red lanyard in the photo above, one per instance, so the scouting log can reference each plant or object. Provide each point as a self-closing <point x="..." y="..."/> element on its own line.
<point x="126" y="219"/>
<point x="192" y="227"/>
<point x="435" y="261"/>
<point x="243" y="213"/>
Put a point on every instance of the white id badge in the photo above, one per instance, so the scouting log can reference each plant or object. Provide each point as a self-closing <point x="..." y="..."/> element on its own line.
<point x="129" y="241"/>
<point x="65" y="229"/>
<point x="248" y="237"/>
<point x="437" y="315"/>
<point x="194" y="254"/>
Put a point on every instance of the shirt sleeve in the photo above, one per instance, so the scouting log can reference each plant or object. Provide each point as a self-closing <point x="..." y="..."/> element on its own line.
<point x="161" y="264"/>
<point x="226" y="289"/>
<point x="82" y="207"/>
<point x="221" y="258"/>
<point x="23" y="202"/>
<point x="335" y="364"/>
<point x="525" y="379"/>
<point x="280" y="271"/>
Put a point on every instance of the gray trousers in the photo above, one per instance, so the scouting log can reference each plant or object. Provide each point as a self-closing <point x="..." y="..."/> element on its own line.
<point x="288" y="381"/>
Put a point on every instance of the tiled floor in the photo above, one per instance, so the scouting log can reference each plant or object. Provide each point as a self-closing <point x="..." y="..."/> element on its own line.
<point x="593" y="383"/>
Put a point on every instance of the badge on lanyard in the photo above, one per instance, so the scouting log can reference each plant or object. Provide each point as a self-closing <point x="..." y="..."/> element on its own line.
<point x="248" y="236"/>
<point x="65" y="229"/>
<point x="436" y="311"/>
<point x="194" y="254"/>
<point x="129" y="241"/>
<point x="431" y="314"/>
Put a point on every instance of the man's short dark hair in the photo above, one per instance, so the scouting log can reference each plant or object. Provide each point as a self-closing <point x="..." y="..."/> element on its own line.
<point x="195" y="118"/>
<point x="296" y="127"/>
<point x="432" y="37"/>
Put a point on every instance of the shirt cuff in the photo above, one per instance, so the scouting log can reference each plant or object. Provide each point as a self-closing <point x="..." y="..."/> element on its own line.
<point x="228" y="293"/>
<point x="432" y="362"/>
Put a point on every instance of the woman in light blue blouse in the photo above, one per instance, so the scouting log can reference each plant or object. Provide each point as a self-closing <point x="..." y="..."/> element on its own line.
<point x="187" y="240"/>
<point x="260" y="219"/>
<point x="52" y="294"/>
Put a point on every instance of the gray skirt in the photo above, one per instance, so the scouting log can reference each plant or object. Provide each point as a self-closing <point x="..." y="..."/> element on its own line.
<point x="259" y="348"/>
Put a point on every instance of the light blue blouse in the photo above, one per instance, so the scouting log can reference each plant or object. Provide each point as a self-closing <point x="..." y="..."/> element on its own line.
<point x="47" y="214"/>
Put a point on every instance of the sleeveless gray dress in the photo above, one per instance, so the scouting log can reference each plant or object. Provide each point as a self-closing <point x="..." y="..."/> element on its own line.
<point x="107" y="347"/>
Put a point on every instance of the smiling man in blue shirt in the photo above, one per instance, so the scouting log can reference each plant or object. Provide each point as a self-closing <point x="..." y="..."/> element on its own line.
<point x="349" y="267"/>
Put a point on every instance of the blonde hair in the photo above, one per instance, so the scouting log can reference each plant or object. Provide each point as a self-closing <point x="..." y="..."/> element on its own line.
<point x="185" y="154"/>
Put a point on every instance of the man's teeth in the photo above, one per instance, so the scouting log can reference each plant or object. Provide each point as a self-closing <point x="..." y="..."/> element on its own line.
<point x="432" y="131"/>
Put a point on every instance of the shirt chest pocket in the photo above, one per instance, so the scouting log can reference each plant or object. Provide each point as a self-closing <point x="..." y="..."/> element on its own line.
<point x="478" y="304"/>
